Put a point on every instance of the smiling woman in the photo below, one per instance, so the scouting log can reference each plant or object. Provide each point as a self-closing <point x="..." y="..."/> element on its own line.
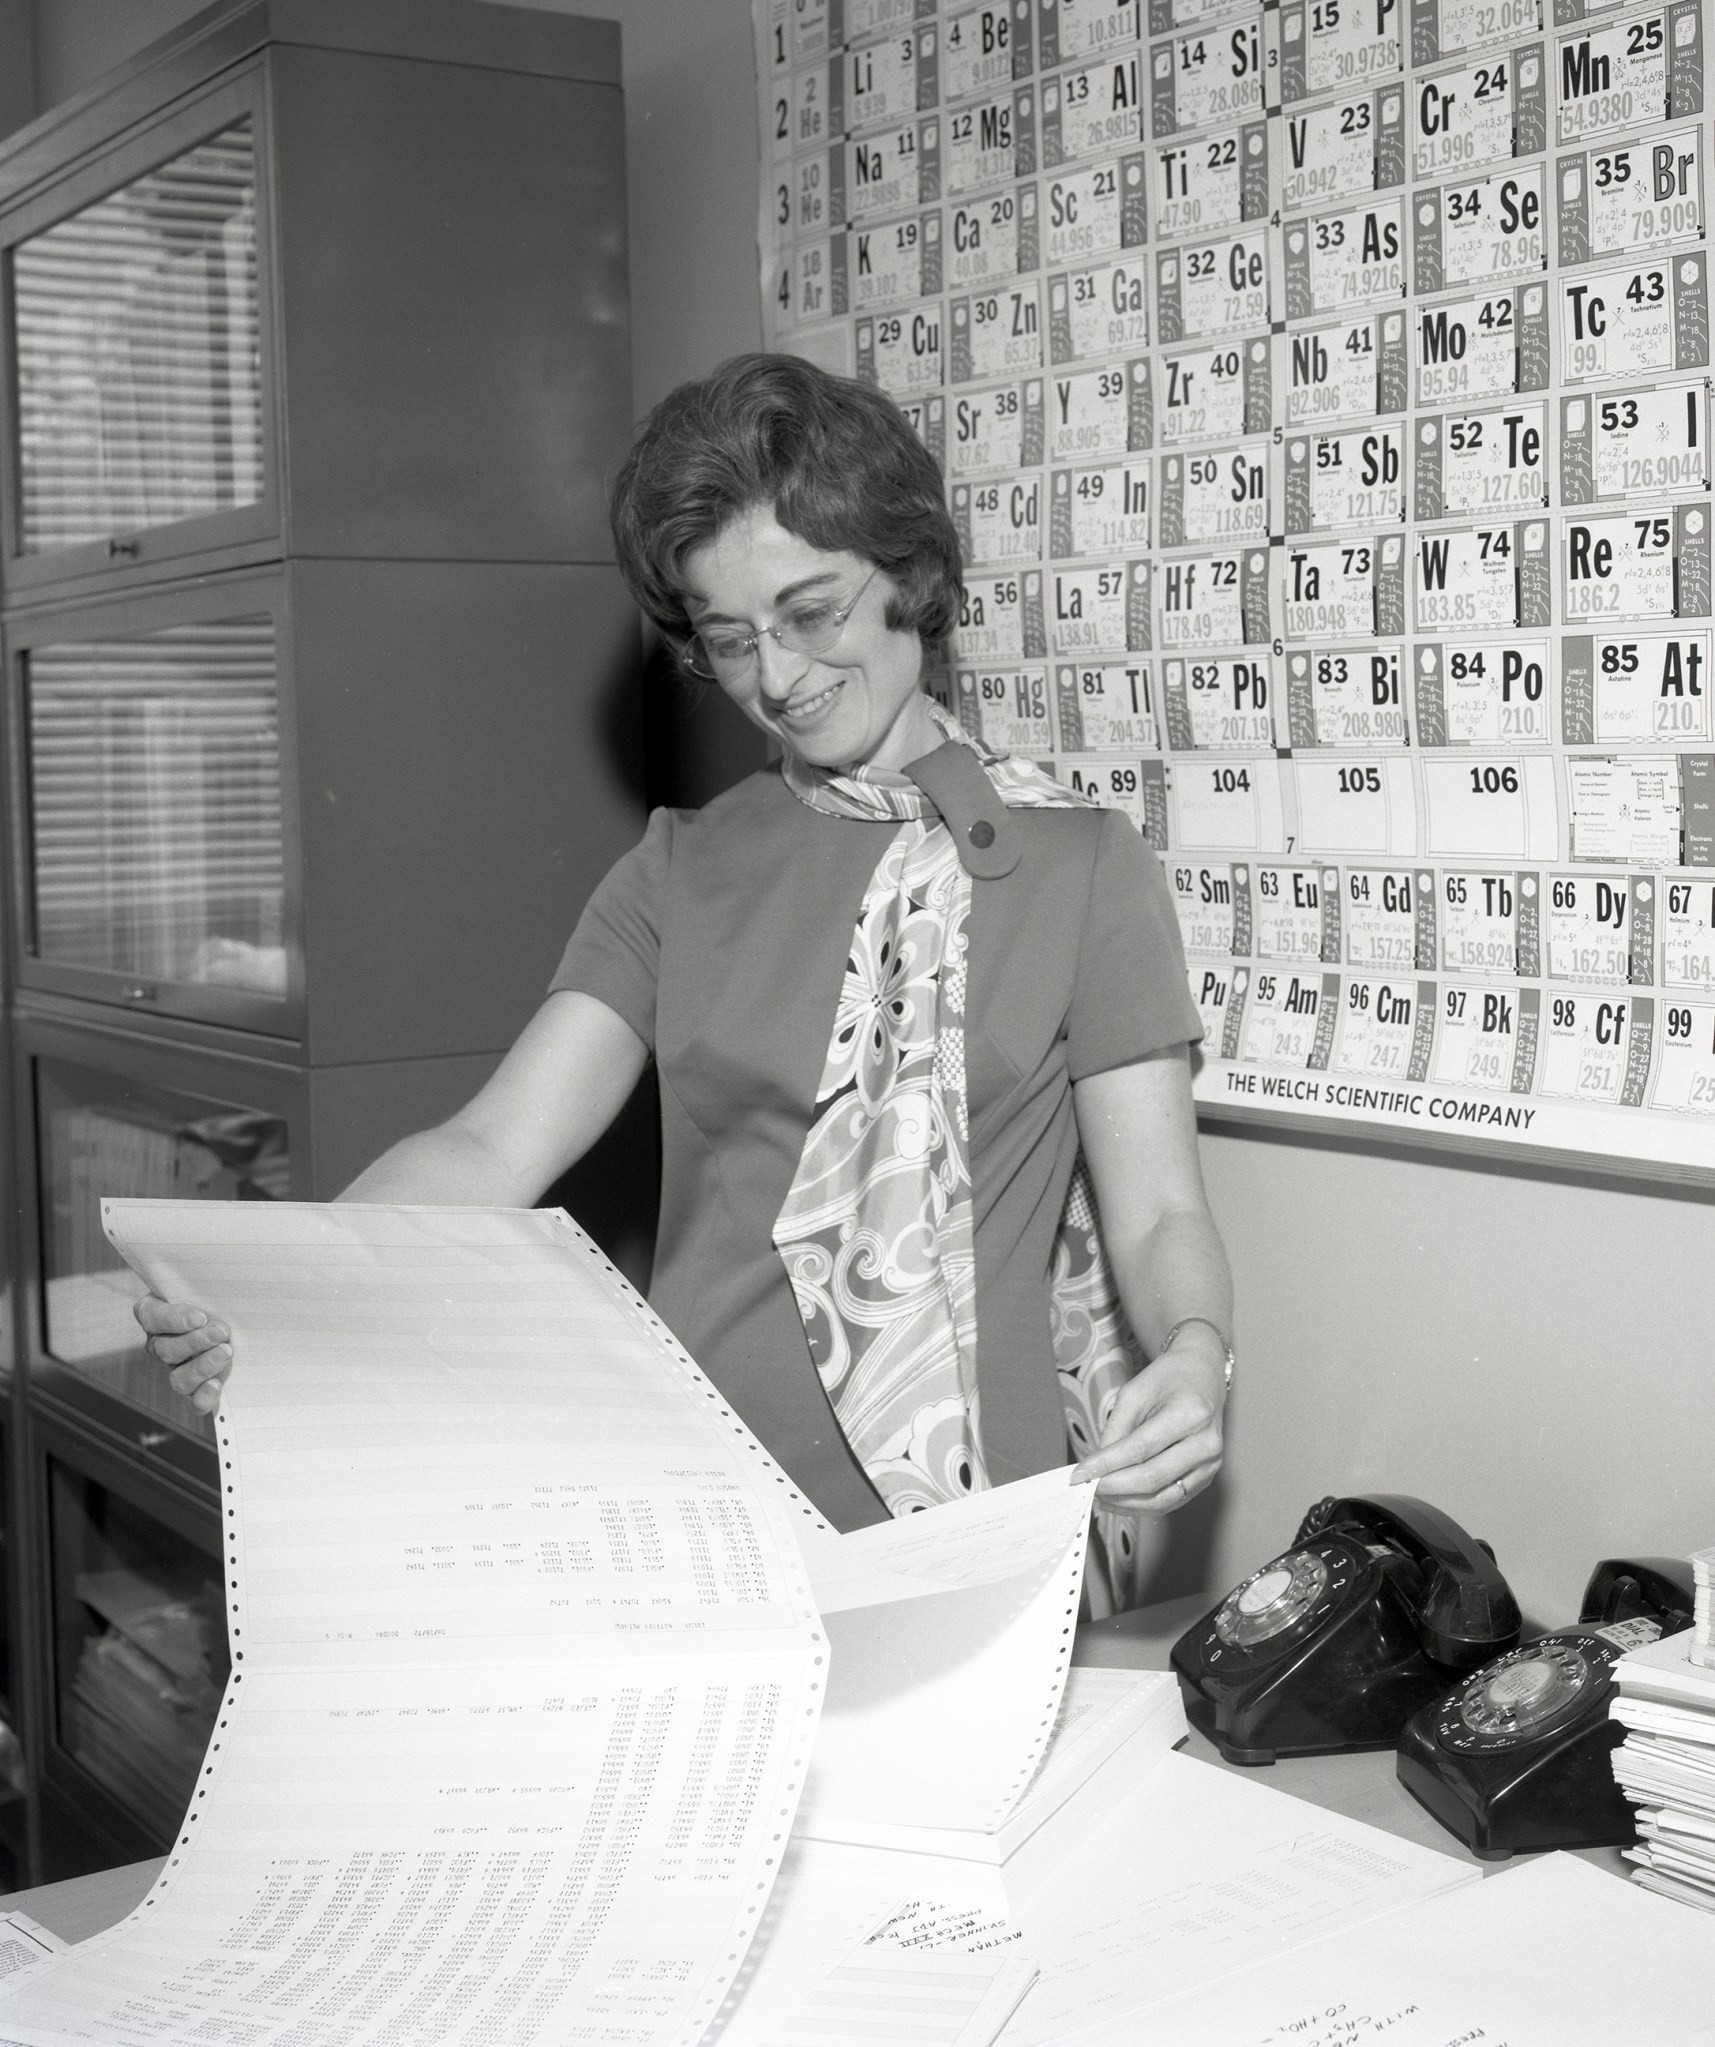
<point x="918" y="1015"/>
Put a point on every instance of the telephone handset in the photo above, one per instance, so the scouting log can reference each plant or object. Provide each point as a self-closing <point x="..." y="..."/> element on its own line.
<point x="1518" y="1756"/>
<point x="1335" y="1643"/>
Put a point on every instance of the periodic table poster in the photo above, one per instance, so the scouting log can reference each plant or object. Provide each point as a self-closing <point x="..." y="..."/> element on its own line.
<point x="1323" y="394"/>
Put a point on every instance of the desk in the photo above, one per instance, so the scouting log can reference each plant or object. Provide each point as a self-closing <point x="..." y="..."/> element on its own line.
<point x="1362" y="1787"/>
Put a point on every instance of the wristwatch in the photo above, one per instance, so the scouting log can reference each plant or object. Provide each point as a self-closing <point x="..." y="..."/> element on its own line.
<point x="1226" y="1341"/>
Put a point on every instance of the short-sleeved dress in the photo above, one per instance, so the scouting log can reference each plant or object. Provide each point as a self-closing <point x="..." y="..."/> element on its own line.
<point x="722" y="938"/>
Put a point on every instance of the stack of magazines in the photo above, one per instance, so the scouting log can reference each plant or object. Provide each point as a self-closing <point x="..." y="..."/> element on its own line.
<point x="1666" y="1763"/>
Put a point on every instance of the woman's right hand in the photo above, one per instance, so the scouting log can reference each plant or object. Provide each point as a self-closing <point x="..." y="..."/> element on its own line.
<point x="196" y="1346"/>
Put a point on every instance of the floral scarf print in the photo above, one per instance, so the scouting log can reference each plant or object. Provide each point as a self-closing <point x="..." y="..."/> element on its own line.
<point x="876" y="1231"/>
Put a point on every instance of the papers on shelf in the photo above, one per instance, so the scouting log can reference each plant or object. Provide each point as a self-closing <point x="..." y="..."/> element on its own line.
<point x="1550" y="1953"/>
<point x="1666" y="1764"/>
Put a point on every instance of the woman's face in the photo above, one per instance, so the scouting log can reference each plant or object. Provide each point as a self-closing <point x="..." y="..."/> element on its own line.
<point x="860" y="704"/>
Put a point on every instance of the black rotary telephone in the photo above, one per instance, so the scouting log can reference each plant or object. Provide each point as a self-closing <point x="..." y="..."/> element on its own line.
<point x="1336" y="1643"/>
<point x="1519" y="1755"/>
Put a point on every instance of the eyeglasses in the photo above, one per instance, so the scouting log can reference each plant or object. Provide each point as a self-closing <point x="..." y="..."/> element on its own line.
<point x="723" y="654"/>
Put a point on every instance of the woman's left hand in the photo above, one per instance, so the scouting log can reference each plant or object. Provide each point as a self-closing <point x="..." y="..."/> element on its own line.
<point x="1162" y="1442"/>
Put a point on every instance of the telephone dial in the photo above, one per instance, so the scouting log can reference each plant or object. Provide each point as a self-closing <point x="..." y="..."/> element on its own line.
<point x="1334" y="1644"/>
<point x="1518" y="1755"/>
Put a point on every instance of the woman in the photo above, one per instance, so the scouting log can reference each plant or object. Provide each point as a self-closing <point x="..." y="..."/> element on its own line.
<point x="891" y="986"/>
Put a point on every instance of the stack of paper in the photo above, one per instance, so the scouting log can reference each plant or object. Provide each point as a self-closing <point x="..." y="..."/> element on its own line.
<point x="1703" y="1620"/>
<point x="1666" y="1766"/>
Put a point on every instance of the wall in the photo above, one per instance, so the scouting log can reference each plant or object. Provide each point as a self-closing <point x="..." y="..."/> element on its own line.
<point x="1535" y="1354"/>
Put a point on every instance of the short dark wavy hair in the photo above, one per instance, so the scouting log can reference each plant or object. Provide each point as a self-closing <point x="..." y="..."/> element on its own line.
<point x="836" y="460"/>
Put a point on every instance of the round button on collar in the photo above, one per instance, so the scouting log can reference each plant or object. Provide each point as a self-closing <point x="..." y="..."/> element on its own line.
<point x="982" y="834"/>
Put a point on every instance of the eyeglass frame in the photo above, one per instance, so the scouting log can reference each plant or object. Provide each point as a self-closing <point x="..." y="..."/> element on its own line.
<point x="754" y="640"/>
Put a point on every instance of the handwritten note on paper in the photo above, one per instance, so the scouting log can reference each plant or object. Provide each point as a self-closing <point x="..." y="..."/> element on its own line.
<point x="526" y="1667"/>
<point x="1550" y="1953"/>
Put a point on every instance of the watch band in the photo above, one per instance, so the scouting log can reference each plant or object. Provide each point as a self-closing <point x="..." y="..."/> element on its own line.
<point x="1226" y="1341"/>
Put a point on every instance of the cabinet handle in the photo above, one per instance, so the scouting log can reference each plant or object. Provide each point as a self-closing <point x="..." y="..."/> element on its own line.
<point x="152" y="1439"/>
<point x="123" y="550"/>
<point x="141" y="991"/>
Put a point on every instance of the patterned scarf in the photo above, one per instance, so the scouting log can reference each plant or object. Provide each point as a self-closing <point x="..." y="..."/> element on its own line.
<point x="876" y="1232"/>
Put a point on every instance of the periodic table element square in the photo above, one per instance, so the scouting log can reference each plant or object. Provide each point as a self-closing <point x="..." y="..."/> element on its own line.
<point x="999" y="522"/>
<point x="1101" y="310"/>
<point x="1344" y="589"/>
<point x="1490" y="692"/>
<point x="1492" y="577"/>
<point x="1348" y="257"/>
<point x="1640" y="441"/>
<point x="999" y="429"/>
<point x="1218" y="494"/>
<point x="857" y="21"/>
<point x="1487" y="345"/>
<point x="1163" y="15"/>
<point x="1487" y="1038"/>
<point x="1331" y="48"/>
<point x="1685" y="1074"/>
<point x="925" y="413"/>
<point x="1344" y="148"/>
<point x="1598" y="1048"/>
<point x="992" y="333"/>
<point x="1688" y="934"/>
<point x="1007" y="709"/>
<point x="1480" y="234"/>
<point x="1001" y="619"/>
<point x="1592" y="933"/>
<point x="1626" y="809"/>
<point x="989" y="142"/>
<point x="1379" y="918"/>
<point x="812" y="281"/>
<point x="1212" y="900"/>
<point x="894" y="262"/>
<point x="1104" y="608"/>
<point x="1635" y="320"/>
<point x="1450" y="28"/>
<point x="879" y="83"/>
<point x="1231" y="806"/>
<point x="1629" y="74"/>
<point x="1387" y="1028"/>
<point x="1212" y="703"/>
<point x="1214" y="599"/>
<point x="1211" y="182"/>
<point x="1103" y="509"/>
<point x="1219" y="287"/>
<point x="1502" y="806"/>
<point x="901" y="352"/>
<point x="977" y="45"/>
<point x="1350" y="369"/>
<point x="1095" y="110"/>
<point x="1297" y="913"/>
<point x="1135" y="788"/>
<point x="1481" y="460"/>
<point x="1108" y="410"/>
<point x="1095" y="210"/>
<point x="1620" y="687"/>
<point x="992" y="239"/>
<point x="1290" y="1019"/>
<point x="1630" y="196"/>
<point x="1341" y="696"/>
<point x="1480" y="113"/>
<point x="1215" y="394"/>
<point x="1206" y="77"/>
<point x="1069" y="29"/>
<point x="1491" y="922"/>
<point x="1335" y="481"/>
<point x="1104" y="707"/>
<point x="1651" y="567"/>
<point x="1361" y="806"/>
<point x="891" y="171"/>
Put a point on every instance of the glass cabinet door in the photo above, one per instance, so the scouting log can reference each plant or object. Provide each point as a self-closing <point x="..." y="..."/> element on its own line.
<point x="155" y="845"/>
<point x="102" y="1135"/>
<point x="138" y="354"/>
